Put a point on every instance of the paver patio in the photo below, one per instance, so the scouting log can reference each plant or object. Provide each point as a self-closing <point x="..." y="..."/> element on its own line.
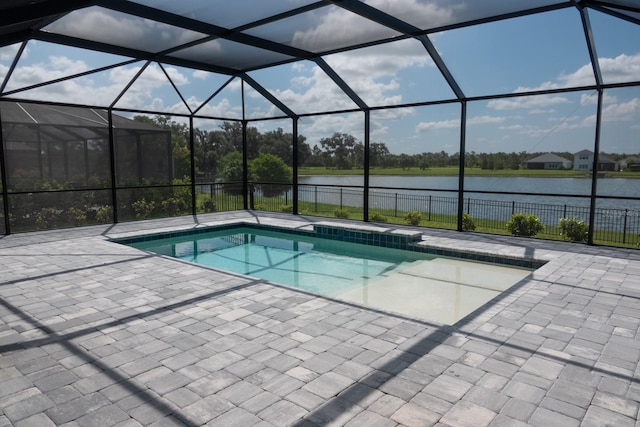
<point x="93" y="333"/>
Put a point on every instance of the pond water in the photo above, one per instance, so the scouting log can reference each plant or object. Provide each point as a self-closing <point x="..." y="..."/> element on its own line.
<point x="572" y="186"/>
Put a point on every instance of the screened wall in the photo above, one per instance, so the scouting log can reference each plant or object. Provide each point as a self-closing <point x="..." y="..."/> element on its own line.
<point x="423" y="112"/>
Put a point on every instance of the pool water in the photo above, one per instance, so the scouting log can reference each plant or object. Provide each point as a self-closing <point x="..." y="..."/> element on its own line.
<point x="415" y="284"/>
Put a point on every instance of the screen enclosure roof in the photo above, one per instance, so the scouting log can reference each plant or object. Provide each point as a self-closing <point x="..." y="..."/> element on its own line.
<point x="236" y="37"/>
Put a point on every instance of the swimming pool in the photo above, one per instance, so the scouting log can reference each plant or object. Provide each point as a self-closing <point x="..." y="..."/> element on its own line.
<point x="408" y="282"/>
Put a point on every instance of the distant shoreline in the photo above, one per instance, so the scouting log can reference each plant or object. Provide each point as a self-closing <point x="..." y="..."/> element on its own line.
<point x="471" y="172"/>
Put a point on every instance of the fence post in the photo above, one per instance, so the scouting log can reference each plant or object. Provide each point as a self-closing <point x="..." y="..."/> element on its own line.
<point x="286" y="198"/>
<point x="624" y="228"/>
<point x="340" y="198"/>
<point x="429" y="219"/>
<point x="564" y="212"/>
<point x="395" y="210"/>
<point x="513" y="207"/>
<point x="316" y="199"/>
<point x="468" y="205"/>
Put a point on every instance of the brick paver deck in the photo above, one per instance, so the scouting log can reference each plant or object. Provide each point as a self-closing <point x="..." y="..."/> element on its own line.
<point x="96" y="334"/>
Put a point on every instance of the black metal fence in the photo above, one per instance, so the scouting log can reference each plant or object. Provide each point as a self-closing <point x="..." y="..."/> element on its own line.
<point x="615" y="227"/>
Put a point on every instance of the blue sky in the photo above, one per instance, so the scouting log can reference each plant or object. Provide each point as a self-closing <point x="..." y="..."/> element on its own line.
<point x="528" y="53"/>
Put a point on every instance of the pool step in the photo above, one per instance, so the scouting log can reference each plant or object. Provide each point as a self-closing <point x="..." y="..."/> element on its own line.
<point x="442" y="289"/>
<point x="470" y="273"/>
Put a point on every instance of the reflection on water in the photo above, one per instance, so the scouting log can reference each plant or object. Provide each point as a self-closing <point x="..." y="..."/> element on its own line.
<point x="576" y="186"/>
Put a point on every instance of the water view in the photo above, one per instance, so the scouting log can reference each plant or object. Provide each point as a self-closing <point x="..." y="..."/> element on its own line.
<point x="620" y="187"/>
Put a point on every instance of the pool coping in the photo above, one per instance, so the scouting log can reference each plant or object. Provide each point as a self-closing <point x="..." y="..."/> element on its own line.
<point x="410" y="240"/>
<point x="82" y="323"/>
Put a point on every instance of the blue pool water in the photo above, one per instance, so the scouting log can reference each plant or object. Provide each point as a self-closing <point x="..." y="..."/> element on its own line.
<point x="411" y="283"/>
<point x="314" y="264"/>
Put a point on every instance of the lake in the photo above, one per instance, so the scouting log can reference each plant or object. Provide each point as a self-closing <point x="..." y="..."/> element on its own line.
<point x="576" y="186"/>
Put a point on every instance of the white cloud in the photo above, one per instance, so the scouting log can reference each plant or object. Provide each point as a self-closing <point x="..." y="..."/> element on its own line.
<point x="626" y="112"/>
<point x="419" y="13"/>
<point x="178" y="78"/>
<point x="454" y="124"/>
<point x="337" y="27"/>
<point x="511" y="127"/>
<point x="121" y="29"/>
<point x="316" y="128"/>
<point x="622" y="112"/>
<point x="54" y="68"/>
<point x="234" y="85"/>
<point x="613" y="113"/>
<point x="313" y="92"/>
<point x="534" y="103"/>
<point x="622" y="68"/>
<point x="224" y="108"/>
<point x="199" y="74"/>
<point x="592" y="99"/>
<point x="541" y="111"/>
<point x="373" y="72"/>
<point x="340" y="27"/>
<point x="8" y="53"/>
<point x="442" y="124"/>
<point x="298" y="66"/>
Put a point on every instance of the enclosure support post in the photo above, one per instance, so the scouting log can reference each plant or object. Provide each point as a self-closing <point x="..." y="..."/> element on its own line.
<point x="87" y="172"/>
<point x="463" y="128"/>
<point x="294" y="195"/>
<point x="192" y="158"/>
<point x="245" y="166"/>
<point x="112" y="164"/>
<point x="367" y="130"/>
<point x="245" y="153"/>
<point x="40" y="162"/>
<point x="3" y="179"/>
<point x="594" y="171"/>
<point x="395" y="209"/>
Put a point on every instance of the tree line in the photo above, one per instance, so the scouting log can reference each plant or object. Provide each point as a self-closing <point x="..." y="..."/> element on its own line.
<point x="217" y="149"/>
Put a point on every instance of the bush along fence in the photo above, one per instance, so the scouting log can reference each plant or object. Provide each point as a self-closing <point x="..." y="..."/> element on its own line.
<point x="69" y="208"/>
<point x="613" y="227"/>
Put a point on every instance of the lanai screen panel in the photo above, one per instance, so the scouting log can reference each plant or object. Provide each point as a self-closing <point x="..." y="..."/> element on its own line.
<point x="224" y="13"/>
<point x="112" y="27"/>
<point x="64" y="146"/>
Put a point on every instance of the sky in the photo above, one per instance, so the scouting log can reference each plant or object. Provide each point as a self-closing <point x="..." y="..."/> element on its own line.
<point x="543" y="51"/>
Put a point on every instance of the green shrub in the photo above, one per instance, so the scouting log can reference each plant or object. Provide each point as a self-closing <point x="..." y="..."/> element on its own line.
<point x="467" y="222"/>
<point x="377" y="217"/>
<point x="105" y="215"/>
<point x="341" y="213"/>
<point x="76" y="216"/>
<point x="174" y="206"/>
<point x="48" y="218"/>
<point x="413" y="218"/>
<point x="573" y="229"/>
<point x="522" y="224"/>
<point x="286" y="208"/>
<point x="208" y="205"/>
<point x="143" y="209"/>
